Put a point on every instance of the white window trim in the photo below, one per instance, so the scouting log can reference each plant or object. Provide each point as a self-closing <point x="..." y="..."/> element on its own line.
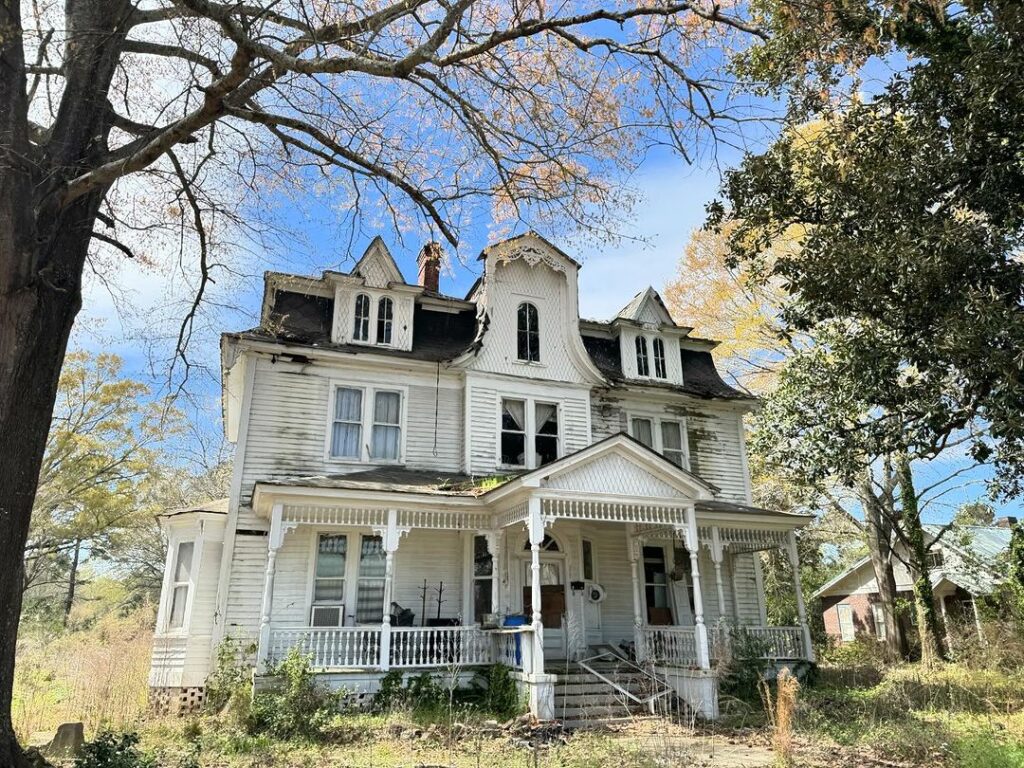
<point x="190" y="536"/>
<point x="853" y="625"/>
<point x="652" y="368"/>
<point x="469" y="604"/>
<point x="656" y="420"/>
<point x="371" y="336"/>
<point x="369" y="394"/>
<point x="531" y="430"/>
<point x="353" y="549"/>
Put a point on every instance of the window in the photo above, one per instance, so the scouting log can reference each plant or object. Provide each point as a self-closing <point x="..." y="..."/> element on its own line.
<point x="483" y="579"/>
<point x="370" y="584"/>
<point x="846" y="632"/>
<point x="659" y="359"/>
<point x="366" y="424"/>
<point x="328" y="608"/>
<point x="546" y="437"/>
<point x="547" y="544"/>
<point x="588" y="560"/>
<point x="385" y="316"/>
<point x="934" y="559"/>
<point x="642" y="367"/>
<point x="656" y="586"/>
<point x="180" y="582"/>
<point x="513" y="433"/>
<point x="361" y="329"/>
<point x="879" y="615"/>
<point x="387" y="430"/>
<point x="643" y="431"/>
<point x="347" y="430"/>
<point x="672" y="442"/>
<point x="528" y="335"/>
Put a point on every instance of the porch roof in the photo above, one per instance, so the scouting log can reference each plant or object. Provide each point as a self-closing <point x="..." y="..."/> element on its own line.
<point x="389" y="480"/>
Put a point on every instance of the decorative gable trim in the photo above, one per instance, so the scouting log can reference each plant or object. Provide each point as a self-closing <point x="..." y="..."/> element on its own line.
<point x="377" y="266"/>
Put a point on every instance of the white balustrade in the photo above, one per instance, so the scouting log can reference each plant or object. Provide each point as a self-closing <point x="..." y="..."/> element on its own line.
<point x="678" y="645"/>
<point x="670" y="645"/>
<point x="328" y="647"/>
<point x="439" y="646"/>
<point x="512" y="647"/>
<point x="780" y="642"/>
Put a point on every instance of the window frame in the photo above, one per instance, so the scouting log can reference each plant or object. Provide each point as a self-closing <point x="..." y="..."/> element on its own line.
<point x="655" y="585"/>
<point x="587" y="547"/>
<point x="532" y="349"/>
<point x="658" y="354"/>
<point x="385" y="324"/>
<point x="171" y="585"/>
<point x="369" y="391"/>
<point x="372" y="417"/>
<point x="853" y="623"/>
<point x="476" y="579"/>
<point x="657" y="435"/>
<point x="641" y="353"/>
<point x="530" y="404"/>
<point x="311" y="590"/>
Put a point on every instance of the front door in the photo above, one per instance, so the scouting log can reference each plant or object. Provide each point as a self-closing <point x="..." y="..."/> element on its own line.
<point x="552" y="604"/>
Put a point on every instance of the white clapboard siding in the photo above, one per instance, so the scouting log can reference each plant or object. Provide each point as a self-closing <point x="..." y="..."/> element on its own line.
<point x="245" y="590"/>
<point x="748" y="604"/>
<point x="614" y="574"/>
<point x="435" y="556"/>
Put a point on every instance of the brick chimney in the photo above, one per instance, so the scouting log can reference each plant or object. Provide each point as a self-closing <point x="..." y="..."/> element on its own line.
<point x="429" y="263"/>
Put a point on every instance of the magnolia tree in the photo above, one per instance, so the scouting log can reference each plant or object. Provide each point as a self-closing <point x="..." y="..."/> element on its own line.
<point x="120" y="119"/>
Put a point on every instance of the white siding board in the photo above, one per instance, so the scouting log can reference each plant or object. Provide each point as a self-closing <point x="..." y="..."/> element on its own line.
<point x="245" y="590"/>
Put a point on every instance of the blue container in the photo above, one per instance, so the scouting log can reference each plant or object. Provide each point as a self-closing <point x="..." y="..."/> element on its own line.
<point x="517" y="620"/>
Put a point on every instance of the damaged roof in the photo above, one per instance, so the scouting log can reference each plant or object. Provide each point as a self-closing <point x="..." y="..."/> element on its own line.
<point x="395" y="480"/>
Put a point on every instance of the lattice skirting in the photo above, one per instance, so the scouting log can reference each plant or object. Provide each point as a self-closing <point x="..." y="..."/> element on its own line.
<point x="176" y="701"/>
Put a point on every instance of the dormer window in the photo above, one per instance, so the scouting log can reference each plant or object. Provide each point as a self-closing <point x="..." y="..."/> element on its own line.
<point x="385" y="317"/>
<point x="361" y="328"/>
<point x="528" y="335"/>
<point x="659" y="358"/>
<point x="642" y="366"/>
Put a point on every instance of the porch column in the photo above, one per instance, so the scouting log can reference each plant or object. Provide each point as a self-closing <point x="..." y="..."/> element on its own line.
<point x="535" y="524"/>
<point x="700" y="631"/>
<point x="633" y="549"/>
<point x="274" y="543"/>
<point x="390" y="537"/>
<point x="801" y="610"/>
<point x="716" y="560"/>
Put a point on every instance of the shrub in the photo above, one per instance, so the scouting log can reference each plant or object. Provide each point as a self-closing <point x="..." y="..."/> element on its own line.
<point x="113" y="750"/>
<point x="741" y="672"/>
<point x="299" y="707"/>
<point x="494" y="691"/>
<point x="231" y="677"/>
<point x="418" y="694"/>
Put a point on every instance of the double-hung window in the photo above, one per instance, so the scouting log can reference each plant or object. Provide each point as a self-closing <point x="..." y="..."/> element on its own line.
<point x="328" y="609"/>
<point x="666" y="436"/>
<point x="385" y="319"/>
<point x="361" y="325"/>
<point x="659" y="358"/>
<point x="527" y="418"/>
<point x="181" y="582"/>
<point x="366" y="424"/>
<point x="483" y="579"/>
<point x="370" y="584"/>
<point x="643" y="367"/>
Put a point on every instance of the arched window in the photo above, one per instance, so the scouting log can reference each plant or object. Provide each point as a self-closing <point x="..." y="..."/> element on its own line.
<point x="659" y="359"/>
<point x="528" y="337"/>
<point x="642" y="366"/>
<point x="385" y="315"/>
<point x="547" y="545"/>
<point x="361" y="328"/>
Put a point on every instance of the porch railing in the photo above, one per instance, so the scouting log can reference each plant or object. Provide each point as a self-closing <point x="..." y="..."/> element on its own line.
<point x="439" y="646"/>
<point x="780" y="642"/>
<point x="328" y="647"/>
<point x="670" y="645"/>
<point x="678" y="645"/>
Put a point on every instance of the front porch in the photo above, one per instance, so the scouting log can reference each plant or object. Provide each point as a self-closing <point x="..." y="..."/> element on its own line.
<point x="661" y="575"/>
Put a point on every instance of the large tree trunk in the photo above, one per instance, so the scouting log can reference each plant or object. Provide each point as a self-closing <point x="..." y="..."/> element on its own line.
<point x="879" y="538"/>
<point x="929" y="622"/>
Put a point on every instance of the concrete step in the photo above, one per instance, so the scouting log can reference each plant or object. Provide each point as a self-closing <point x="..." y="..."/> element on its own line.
<point x="598" y="686"/>
<point x="597" y="711"/>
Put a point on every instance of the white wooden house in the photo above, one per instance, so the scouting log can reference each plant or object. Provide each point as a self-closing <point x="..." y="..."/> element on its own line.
<point x="586" y="481"/>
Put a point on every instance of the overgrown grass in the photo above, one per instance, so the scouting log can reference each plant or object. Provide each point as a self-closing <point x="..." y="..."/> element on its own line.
<point x="98" y="675"/>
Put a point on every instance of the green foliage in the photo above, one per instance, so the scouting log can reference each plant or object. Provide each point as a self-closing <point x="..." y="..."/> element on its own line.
<point x="231" y="677"/>
<point x="417" y="694"/>
<point x="746" y="666"/>
<point x="494" y="691"/>
<point x="1015" y="573"/>
<point x="113" y="750"/>
<point x="300" y="706"/>
<point x="983" y="751"/>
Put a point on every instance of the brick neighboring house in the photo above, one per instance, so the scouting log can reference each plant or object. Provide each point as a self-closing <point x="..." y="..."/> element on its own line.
<point x="965" y="564"/>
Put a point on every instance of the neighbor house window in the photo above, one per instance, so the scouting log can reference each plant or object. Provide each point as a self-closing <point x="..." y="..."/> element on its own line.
<point x="879" y="614"/>
<point x="546" y="436"/>
<point x="361" y="328"/>
<point x="370" y="586"/>
<point x="180" y="584"/>
<point x="328" y="609"/>
<point x="642" y="366"/>
<point x="659" y="358"/>
<point x="656" y="586"/>
<point x="483" y="579"/>
<point x="845" y="612"/>
<point x="513" y="433"/>
<point x="387" y="429"/>
<point x="385" y="317"/>
<point x="934" y="559"/>
<point x="528" y="333"/>
<point x="347" y="427"/>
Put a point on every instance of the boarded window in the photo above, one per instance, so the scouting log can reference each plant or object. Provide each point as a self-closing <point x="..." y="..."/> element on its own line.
<point x="385" y="318"/>
<point x="361" y="326"/>
<point x="642" y="366"/>
<point x="546" y="439"/>
<point x="347" y="426"/>
<point x="513" y="433"/>
<point x="659" y="359"/>
<point x="180" y="584"/>
<point x="528" y="333"/>
<point x="387" y="430"/>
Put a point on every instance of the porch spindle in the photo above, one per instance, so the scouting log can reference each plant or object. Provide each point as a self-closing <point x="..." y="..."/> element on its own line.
<point x="700" y="631"/>
<point x="801" y="610"/>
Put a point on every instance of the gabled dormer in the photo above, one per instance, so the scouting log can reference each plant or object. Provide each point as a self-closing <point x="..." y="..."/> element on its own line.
<point x="649" y="340"/>
<point x="373" y="305"/>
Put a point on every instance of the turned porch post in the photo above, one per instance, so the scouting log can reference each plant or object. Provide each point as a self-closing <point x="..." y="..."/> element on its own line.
<point x="801" y="610"/>
<point x="390" y="536"/>
<point x="633" y="549"/>
<point x="716" y="560"/>
<point x="273" y="544"/>
<point x="700" y="631"/>
<point x="535" y="524"/>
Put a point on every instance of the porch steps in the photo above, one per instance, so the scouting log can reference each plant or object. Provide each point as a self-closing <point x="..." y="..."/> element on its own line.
<point x="583" y="700"/>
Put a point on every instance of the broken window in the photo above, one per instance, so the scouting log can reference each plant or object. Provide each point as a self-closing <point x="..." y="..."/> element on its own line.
<point x="513" y="433"/>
